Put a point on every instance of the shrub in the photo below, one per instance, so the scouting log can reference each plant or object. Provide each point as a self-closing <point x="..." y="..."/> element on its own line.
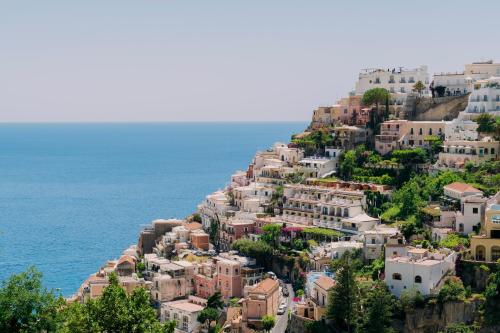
<point x="453" y="290"/>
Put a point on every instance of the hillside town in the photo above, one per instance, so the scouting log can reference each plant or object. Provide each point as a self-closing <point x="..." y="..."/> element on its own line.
<point x="388" y="204"/>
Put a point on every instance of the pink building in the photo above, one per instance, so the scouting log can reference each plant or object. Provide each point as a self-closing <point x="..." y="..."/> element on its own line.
<point x="352" y="112"/>
<point x="229" y="277"/>
<point x="262" y="300"/>
<point x="233" y="229"/>
<point x="205" y="286"/>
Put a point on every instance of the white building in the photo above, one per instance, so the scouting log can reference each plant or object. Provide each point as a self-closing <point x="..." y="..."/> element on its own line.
<point x="460" y="129"/>
<point x="215" y="205"/>
<point x="485" y="97"/>
<point x="184" y="312"/>
<point x="375" y="239"/>
<point x="334" y="153"/>
<point x="398" y="81"/>
<point x="461" y="82"/>
<point x="317" y="167"/>
<point x="418" y="269"/>
<point x="454" y="83"/>
<point x="287" y="154"/>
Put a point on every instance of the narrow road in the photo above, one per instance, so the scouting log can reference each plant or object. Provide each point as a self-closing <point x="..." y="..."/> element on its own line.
<point x="282" y="320"/>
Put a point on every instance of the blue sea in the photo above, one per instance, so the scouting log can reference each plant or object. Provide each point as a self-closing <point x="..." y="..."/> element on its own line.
<point x="75" y="195"/>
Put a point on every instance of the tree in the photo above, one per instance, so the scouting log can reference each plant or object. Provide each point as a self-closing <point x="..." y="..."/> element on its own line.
<point x="452" y="290"/>
<point x="215" y="301"/>
<point x="492" y="304"/>
<point x="375" y="96"/>
<point x="486" y="122"/>
<point x="25" y="306"/>
<point x="271" y="234"/>
<point x="268" y="323"/>
<point x="208" y="315"/>
<point x="343" y="300"/>
<point x="379" y="309"/>
<point x="259" y="250"/>
<point x="419" y="87"/>
<point x="113" y="307"/>
<point x="347" y="164"/>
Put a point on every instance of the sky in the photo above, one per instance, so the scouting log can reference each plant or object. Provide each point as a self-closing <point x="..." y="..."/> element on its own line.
<point x="234" y="60"/>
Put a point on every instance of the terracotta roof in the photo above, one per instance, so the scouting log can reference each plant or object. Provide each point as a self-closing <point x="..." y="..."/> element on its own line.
<point x="462" y="187"/>
<point x="193" y="226"/>
<point x="325" y="282"/>
<point x="126" y="258"/>
<point x="265" y="286"/>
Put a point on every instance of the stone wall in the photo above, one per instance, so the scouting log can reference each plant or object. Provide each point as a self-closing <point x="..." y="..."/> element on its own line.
<point x="297" y="324"/>
<point x="434" y="109"/>
<point x="435" y="317"/>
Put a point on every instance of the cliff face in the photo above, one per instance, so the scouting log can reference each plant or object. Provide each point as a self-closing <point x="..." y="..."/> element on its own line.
<point x="434" y="109"/>
<point x="434" y="318"/>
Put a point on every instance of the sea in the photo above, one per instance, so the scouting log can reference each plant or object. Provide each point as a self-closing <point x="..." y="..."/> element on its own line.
<point x="73" y="196"/>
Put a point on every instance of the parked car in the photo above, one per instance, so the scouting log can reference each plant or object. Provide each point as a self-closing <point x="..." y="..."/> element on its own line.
<point x="281" y="310"/>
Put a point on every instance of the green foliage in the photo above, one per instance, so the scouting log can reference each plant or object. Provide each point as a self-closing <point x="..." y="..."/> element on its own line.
<point x="271" y="234"/>
<point x="419" y="87"/>
<point x="347" y="164"/>
<point x="197" y="218"/>
<point x="213" y="231"/>
<point x="314" y="142"/>
<point x="452" y="290"/>
<point x="321" y="233"/>
<point x="268" y="323"/>
<point x="114" y="311"/>
<point x="343" y="300"/>
<point x="27" y="307"/>
<point x="208" y="315"/>
<point x="379" y="307"/>
<point x="215" y="301"/>
<point x="412" y="298"/>
<point x="298" y="245"/>
<point x="375" y="96"/>
<point x="410" y="227"/>
<point x="454" y="242"/>
<point x="492" y="303"/>
<point x="458" y="328"/>
<point x="259" y="250"/>
<point x="410" y="157"/>
<point x="486" y="122"/>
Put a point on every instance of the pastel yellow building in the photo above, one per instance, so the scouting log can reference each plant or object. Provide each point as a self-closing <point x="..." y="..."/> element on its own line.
<point x="486" y="246"/>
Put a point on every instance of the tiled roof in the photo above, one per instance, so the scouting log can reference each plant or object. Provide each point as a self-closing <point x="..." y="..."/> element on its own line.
<point x="462" y="187"/>
<point x="265" y="286"/>
<point x="193" y="226"/>
<point x="325" y="282"/>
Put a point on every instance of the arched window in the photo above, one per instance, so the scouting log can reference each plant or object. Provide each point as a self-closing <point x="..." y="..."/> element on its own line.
<point x="418" y="279"/>
<point x="396" y="276"/>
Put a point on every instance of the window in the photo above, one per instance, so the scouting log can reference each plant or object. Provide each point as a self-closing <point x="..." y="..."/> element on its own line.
<point x="495" y="253"/>
<point x="461" y="227"/>
<point x="396" y="276"/>
<point x="475" y="210"/>
<point x="430" y="131"/>
<point x="227" y="270"/>
<point x="411" y="130"/>
<point x="373" y="240"/>
<point x="420" y="131"/>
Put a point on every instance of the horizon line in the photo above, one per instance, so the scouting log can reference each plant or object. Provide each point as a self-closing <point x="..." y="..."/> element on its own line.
<point x="149" y="122"/>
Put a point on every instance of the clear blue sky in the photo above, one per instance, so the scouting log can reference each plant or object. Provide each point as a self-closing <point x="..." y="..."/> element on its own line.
<point x="160" y="60"/>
